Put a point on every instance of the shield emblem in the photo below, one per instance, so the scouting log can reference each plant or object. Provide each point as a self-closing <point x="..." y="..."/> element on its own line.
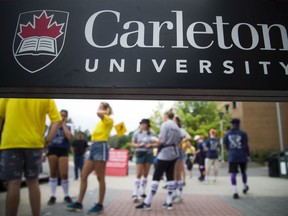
<point x="39" y="38"/>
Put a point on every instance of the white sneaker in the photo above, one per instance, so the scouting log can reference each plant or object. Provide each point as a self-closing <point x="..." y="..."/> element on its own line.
<point x="167" y="206"/>
<point x="177" y="199"/>
<point x="135" y="199"/>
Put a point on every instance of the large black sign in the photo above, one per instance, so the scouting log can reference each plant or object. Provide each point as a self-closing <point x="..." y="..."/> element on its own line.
<point x="191" y="48"/>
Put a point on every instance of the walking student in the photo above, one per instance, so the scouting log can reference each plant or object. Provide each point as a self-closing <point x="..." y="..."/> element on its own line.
<point x="79" y="148"/>
<point x="22" y="145"/>
<point x="143" y="140"/>
<point x="190" y="158"/>
<point x="212" y="147"/>
<point x="97" y="159"/>
<point x="169" y="139"/>
<point x="201" y="155"/>
<point x="236" y="142"/>
<point x="58" y="158"/>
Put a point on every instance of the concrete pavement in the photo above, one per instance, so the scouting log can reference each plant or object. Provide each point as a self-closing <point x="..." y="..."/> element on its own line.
<point x="267" y="196"/>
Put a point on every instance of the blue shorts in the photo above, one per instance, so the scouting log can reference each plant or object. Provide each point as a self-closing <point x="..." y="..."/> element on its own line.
<point x="15" y="162"/>
<point x="181" y="155"/>
<point x="99" y="151"/>
<point x="148" y="158"/>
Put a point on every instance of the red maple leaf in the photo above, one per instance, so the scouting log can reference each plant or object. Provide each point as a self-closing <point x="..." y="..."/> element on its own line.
<point x="41" y="27"/>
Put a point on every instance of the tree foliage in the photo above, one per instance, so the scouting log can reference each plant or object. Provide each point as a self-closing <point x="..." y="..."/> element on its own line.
<point x="197" y="117"/>
<point x="157" y="118"/>
<point x="87" y="135"/>
<point x="120" y="142"/>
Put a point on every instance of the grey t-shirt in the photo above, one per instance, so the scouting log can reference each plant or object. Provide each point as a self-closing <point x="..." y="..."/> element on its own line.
<point x="169" y="134"/>
<point x="143" y="136"/>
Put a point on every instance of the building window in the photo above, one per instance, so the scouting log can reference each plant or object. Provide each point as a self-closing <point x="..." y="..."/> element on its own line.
<point x="235" y="105"/>
<point x="227" y="108"/>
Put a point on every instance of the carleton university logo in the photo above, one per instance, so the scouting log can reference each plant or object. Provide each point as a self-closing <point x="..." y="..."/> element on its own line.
<point x="39" y="38"/>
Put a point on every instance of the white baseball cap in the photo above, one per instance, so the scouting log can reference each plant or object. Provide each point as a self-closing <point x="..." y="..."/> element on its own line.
<point x="197" y="137"/>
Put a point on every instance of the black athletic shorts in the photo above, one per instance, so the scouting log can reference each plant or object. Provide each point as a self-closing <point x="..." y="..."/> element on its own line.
<point x="233" y="167"/>
<point x="59" y="152"/>
<point x="164" y="167"/>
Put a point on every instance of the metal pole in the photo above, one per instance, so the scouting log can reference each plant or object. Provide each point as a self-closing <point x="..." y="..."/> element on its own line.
<point x="278" y="111"/>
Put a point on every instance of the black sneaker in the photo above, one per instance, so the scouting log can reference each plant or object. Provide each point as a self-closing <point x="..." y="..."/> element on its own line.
<point x="167" y="206"/>
<point x="246" y="189"/>
<point x="77" y="207"/>
<point x="235" y="196"/>
<point x="52" y="200"/>
<point x="143" y="196"/>
<point x="67" y="199"/>
<point x="201" y="178"/>
<point x="143" y="206"/>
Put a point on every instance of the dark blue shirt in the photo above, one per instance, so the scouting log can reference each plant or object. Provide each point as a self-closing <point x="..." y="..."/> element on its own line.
<point x="201" y="147"/>
<point x="212" y="145"/>
<point x="60" y="140"/>
<point x="236" y="142"/>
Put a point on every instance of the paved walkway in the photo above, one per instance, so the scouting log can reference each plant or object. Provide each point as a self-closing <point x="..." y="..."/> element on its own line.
<point x="267" y="197"/>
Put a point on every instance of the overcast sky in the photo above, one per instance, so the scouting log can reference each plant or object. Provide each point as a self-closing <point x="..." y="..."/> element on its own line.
<point x="83" y="112"/>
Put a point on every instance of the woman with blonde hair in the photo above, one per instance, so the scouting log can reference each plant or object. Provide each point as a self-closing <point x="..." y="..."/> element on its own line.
<point x="169" y="138"/>
<point x="99" y="154"/>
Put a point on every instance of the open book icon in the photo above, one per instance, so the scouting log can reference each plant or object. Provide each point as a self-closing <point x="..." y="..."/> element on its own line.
<point x="37" y="46"/>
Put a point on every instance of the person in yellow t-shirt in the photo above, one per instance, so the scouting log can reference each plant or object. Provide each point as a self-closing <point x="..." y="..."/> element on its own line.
<point x="99" y="154"/>
<point x="21" y="147"/>
<point x="190" y="158"/>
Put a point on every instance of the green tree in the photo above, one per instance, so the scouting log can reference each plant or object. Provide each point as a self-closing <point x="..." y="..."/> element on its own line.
<point x="157" y="118"/>
<point x="87" y="135"/>
<point x="120" y="142"/>
<point x="199" y="117"/>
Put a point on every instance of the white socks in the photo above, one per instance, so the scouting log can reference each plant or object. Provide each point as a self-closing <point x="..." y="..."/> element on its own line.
<point x="235" y="190"/>
<point x="143" y="184"/>
<point x="171" y="189"/>
<point x="244" y="186"/>
<point x="136" y="187"/>
<point x="180" y="188"/>
<point x="53" y="185"/>
<point x="152" y="192"/>
<point x="65" y="186"/>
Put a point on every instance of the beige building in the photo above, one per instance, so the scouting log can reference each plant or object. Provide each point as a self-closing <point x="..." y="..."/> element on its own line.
<point x="259" y="120"/>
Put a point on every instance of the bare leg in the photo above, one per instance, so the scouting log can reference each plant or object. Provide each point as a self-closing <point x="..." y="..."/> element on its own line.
<point x="63" y="167"/>
<point x="63" y="173"/>
<point x="13" y="197"/>
<point x="146" y="169"/>
<point x="139" y="170"/>
<point x="34" y="196"/>
<point x="177" y="170"/>
<point x="183" y="172"/>
<point x="53" y="165"/>
<point x="100" y="170"/>
<point x="87" y="169"/>
<point x="144" y="180"/>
